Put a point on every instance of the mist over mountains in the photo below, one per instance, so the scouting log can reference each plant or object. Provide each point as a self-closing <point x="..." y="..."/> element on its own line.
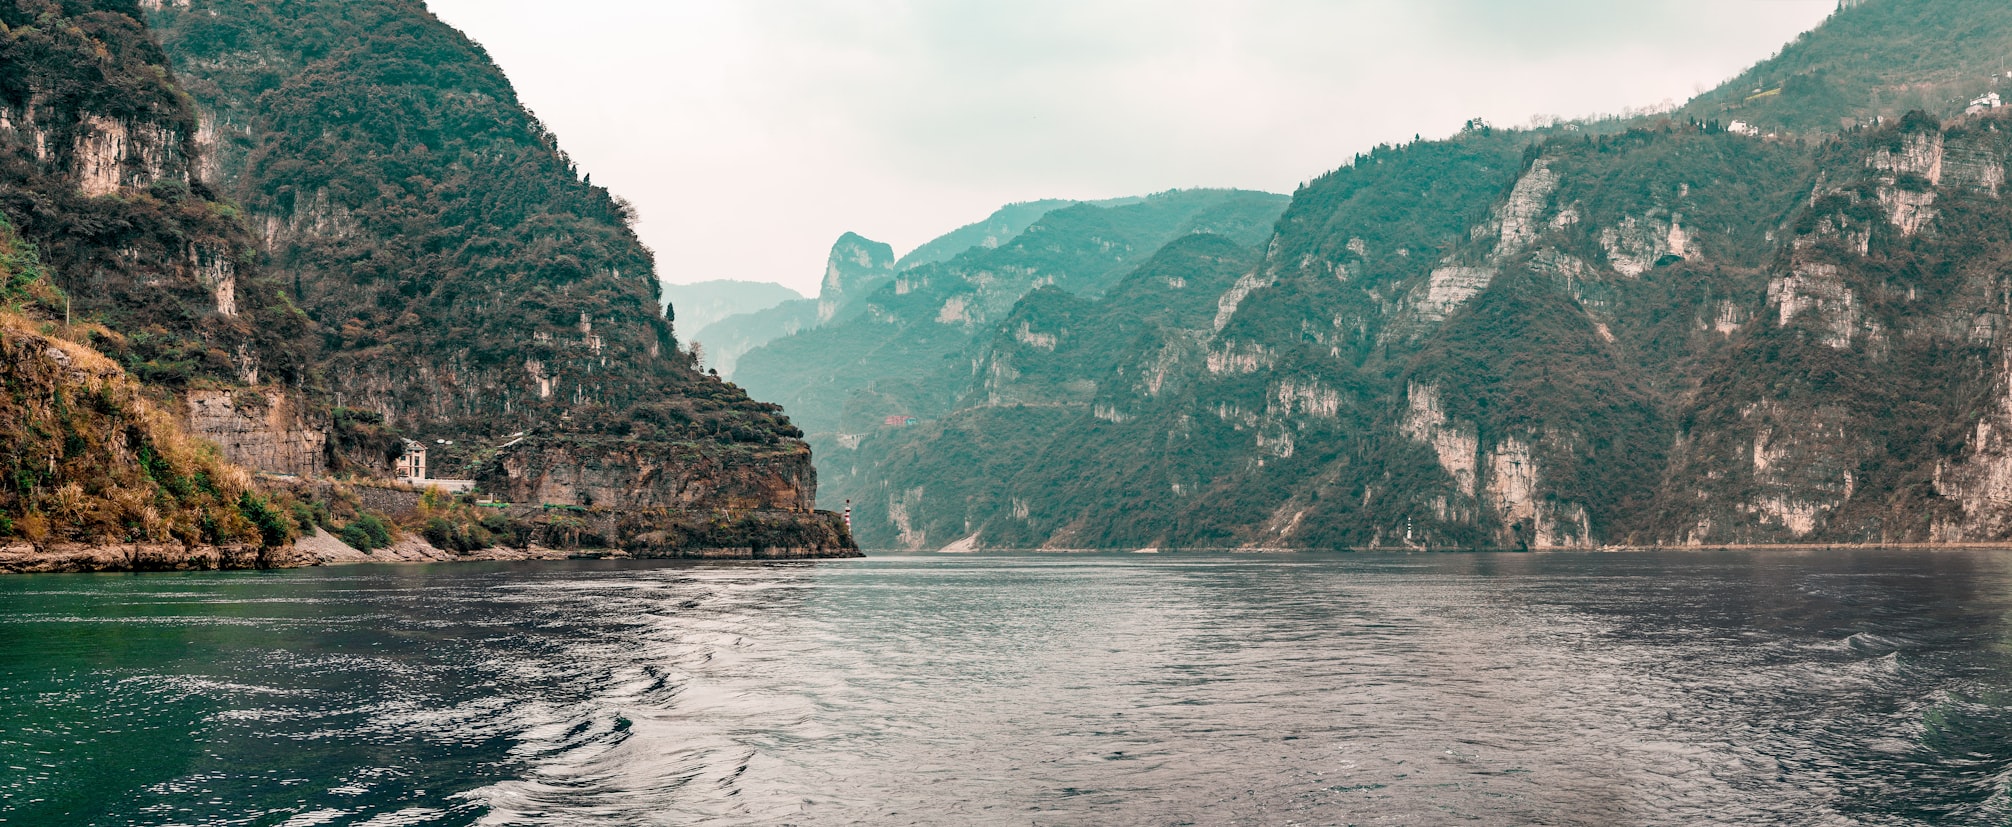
<point x="1771" y="315"/>
<point x="257" y="257"/>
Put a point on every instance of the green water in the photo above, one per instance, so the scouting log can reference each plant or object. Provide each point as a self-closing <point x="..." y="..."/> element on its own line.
<point x="1767" y="688"/>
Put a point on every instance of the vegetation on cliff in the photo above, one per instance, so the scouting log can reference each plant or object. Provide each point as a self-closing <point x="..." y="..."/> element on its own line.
<point x="97" y="147"/>
<point x="898" y="352"/>
<point x="1657" y="331"/>
<point x="88" y="456"/>
<point x="467" y="282"/>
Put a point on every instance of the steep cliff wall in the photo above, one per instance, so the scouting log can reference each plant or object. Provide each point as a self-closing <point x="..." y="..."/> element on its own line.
<point x="270" y="431"/>
<point x="1861" y="403"/>
<point x="627" y="474"/>
<point x="897" y="354"/>
<point x="98" y="476"/>
<point x="468" y="281"/>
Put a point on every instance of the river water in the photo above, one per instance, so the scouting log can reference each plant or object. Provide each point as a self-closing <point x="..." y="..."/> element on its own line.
<point x="1680" y="688"/>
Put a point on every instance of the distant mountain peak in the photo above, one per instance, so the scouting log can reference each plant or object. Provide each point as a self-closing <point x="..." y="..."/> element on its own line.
<point x="857" y="265"/>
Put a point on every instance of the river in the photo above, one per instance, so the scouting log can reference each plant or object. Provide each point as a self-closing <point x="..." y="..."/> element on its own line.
<point x="1864" y="687"/>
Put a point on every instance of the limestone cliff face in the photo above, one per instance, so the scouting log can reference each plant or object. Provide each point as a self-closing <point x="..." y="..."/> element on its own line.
<point x="857" y="266"/>
<point x="270" y="431"/>
<point x="98" y="144"/>
<point x="1863" y="404"/>
<point x="99" y="148"/>
<point x="627" y="474"/>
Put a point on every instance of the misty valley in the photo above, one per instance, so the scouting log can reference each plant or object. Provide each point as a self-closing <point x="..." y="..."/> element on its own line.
<point x="364" y="461"/>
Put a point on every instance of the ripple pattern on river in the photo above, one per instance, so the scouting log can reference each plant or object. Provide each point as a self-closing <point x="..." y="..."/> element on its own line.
<point x="1846" y="689"/>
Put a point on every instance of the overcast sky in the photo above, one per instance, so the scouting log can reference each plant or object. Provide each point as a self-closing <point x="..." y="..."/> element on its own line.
<point x="752" y="133"/>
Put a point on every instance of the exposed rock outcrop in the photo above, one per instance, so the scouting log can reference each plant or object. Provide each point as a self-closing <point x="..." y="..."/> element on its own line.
<point x="628" y="474"/>
<point x="855" y="267"/>
<point x="265" y="430"/>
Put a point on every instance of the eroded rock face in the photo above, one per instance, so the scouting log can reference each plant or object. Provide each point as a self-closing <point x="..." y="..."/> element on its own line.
<point x="1637" y="244"/>
<point x="856" y="266"/>
<point x="1981" y="482"/>
<point x="112" y="156"/>
<point x="1458" y="447"/>
<point x="624" y="474"/>
<point x="1516" y="492"/>
<point x="1520" y="219"/>
<point x="1817" y="290"/>
<point x="266" y="431"/>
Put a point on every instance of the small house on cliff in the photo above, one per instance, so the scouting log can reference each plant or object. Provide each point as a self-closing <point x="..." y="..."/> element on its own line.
<point x="412" y="464"/>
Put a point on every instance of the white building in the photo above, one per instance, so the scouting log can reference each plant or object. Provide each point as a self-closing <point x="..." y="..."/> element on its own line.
<point x="412" y="464"/>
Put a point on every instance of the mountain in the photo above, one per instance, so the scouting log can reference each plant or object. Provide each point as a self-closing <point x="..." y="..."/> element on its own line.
<point x="1670" y="331"/>
<point x="996" y="229"/>
<point x="471" y="288"/>
<point x="725" y="341"/>
<point x="901" y="352"/>
<point x="856" y="266"/>
<point x="261" y="244"/>
<point x="1880" y="60"/>
<point x="702" y="303"/>
<point x="1038" y="394"/>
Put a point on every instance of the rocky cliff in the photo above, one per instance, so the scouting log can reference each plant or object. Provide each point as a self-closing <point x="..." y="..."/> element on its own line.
<point x="468" y="284"/>
<point x="857" y="266"/>
<point x="309" y="230"/>
<point x="1669" y="331"/>
<point x="629" y="474"/>
<point x="902" y="350"/>
<point x="94" y="472"/>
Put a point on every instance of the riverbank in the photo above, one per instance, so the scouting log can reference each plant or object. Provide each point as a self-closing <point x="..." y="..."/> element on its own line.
<point x="323" y="549"/>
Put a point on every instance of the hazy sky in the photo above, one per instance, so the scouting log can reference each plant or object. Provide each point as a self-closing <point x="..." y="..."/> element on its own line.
<point x="752" y="133"/>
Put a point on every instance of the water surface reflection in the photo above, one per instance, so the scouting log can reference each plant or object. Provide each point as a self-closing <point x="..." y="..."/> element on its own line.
<point x="1763" y="688"/>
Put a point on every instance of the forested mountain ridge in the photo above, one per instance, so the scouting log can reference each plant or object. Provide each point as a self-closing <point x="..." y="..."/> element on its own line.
<point x="1675" y="332"/>
<point x="471" y="288"/>
<point x="726" y="339"/>
<point x="302" y="230"/>
<point x="899" y="351"/>
<point x="1876" y="59"/>
<point x="132" y="312"/>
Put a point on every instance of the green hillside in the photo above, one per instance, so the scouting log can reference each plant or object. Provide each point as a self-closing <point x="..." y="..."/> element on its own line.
<point x="1654" y="332"/>
<point x="901" y="353"/>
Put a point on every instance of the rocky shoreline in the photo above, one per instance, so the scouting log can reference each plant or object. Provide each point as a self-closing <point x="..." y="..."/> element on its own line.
<point x="324" y="549"/>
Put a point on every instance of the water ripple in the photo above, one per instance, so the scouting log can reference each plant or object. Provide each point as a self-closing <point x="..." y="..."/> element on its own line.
<point x="1850" y="689"/>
